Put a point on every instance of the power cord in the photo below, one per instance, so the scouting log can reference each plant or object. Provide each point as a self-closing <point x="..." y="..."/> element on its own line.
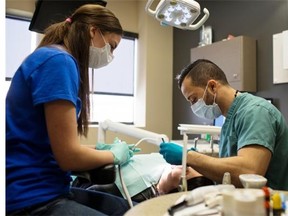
<point x="128" y="197"/>
<point x="143" y="139"/>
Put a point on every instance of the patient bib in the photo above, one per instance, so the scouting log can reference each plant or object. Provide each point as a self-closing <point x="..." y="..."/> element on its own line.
<point x="141" y="172"/>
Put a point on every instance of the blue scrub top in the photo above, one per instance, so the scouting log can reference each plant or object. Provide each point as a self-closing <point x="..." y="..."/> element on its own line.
<point x="32" y="173"/>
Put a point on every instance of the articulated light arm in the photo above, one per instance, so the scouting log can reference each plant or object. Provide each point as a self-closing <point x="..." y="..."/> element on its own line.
<point x="129" y="130"/>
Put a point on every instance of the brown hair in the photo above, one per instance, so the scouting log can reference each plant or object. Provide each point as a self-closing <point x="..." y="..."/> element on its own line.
<point x="74" y="34"/>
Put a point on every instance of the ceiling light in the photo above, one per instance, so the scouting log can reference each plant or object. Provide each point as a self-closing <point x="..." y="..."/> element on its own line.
<point x="178" y="13"/>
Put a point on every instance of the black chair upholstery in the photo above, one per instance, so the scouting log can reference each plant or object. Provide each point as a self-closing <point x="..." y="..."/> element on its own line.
<point x="100" y="176"/>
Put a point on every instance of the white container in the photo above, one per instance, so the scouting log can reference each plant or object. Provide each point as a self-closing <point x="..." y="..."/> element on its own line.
<point x="243" y="202"/>
<point x="252" y="181"/>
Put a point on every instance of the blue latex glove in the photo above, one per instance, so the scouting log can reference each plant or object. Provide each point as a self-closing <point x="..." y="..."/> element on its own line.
<point x="121" y="152"/>
<point x="172" y="152"/>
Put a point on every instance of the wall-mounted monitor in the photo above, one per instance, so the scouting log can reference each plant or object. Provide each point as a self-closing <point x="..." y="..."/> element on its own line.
<point x="48" y="12"/>
<point x="219" y="121"/>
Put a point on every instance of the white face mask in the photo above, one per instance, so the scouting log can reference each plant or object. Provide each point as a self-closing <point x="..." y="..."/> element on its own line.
<point x="202" y="110"/>
<point x="100" y="57"/>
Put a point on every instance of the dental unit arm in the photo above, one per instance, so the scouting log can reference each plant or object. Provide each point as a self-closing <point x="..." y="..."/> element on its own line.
<point x="186" y="129"/>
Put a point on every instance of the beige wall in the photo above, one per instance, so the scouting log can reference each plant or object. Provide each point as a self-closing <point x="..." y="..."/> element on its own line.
<point x="154" y="67"/>
<point x="26" y="5"/>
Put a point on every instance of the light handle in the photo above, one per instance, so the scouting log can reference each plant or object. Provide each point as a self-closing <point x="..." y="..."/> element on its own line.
<point x="201" y="22"/>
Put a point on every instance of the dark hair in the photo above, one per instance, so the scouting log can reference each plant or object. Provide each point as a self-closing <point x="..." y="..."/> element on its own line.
<point x="74" y="34"/>
<point x="201" y="71"/>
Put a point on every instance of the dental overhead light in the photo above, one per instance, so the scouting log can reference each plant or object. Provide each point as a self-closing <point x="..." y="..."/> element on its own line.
<point x="178" y="13"/>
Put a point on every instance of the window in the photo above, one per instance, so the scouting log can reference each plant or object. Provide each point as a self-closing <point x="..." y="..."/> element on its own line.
<point x="112" y="87"/>
<point x="20" y="42"/>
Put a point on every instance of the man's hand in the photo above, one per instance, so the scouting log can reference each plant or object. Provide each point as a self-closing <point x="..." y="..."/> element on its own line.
<point x="171" y="152"/>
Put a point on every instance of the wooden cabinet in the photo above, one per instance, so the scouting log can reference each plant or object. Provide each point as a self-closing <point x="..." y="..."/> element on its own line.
<point x="236" y="57"/>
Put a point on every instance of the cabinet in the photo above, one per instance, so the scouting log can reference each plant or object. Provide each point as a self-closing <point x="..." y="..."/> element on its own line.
<point x="236" y="57"/>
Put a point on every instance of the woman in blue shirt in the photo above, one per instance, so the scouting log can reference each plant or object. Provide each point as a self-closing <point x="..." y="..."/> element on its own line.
<point x="47" y="108"/>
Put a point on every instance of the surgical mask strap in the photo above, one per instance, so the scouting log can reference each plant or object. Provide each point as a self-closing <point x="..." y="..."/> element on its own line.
<point x="103" y="37"/>
<point x="205" y="92"/>
<point x="92" y="43"/>
<point x="214" y="98"/>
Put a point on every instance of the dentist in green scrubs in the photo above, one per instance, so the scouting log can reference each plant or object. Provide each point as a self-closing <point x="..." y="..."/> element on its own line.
<point x="254" y="137"/>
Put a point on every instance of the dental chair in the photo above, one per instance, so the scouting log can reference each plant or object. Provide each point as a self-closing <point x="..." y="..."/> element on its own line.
<point x="104" y="175"/>
<point x="100" y="198"/>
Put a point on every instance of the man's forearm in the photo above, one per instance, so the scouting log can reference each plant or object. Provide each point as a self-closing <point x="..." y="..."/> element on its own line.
<point x="214" y="168"/>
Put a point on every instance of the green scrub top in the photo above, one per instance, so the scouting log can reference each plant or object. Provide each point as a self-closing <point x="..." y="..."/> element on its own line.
<point x="253" y="120"/>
